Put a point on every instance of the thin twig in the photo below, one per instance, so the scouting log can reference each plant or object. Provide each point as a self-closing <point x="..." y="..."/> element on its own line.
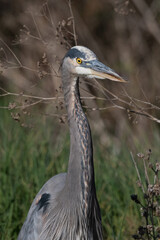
<point x="98" y="109"/>
<point x="138" y="174"/>
<point x="146" y="173"/>
<point x="37" y="28"/>
<point x="14" y="55"/>
<point x="73" y="21"/>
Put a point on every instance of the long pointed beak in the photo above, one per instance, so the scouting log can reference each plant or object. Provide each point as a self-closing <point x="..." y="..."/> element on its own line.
<point x="101" y="71"/>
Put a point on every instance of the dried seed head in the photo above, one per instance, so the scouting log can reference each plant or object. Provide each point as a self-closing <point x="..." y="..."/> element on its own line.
<point x="158" y="230"/>
<point x="150" y="165"/>
<point x="145" y="196"/>
<point x="15" y="116"/>
<point x="12" y="105"/>
<point x="157" y="166"/>
<point x="140" y="155"/>
<point x="134" y="198"/>
<point x="156" y="189"/>
<point x="150" y="189"/>
<point x="155" y="204"/>
<point x="149" y="228"/>
<point x="63" y="23"/>
<point x="141" y="230"/>
<point x="157" y="213"/>
<point x="135" y="236"/>
<point x="139" y="184"/>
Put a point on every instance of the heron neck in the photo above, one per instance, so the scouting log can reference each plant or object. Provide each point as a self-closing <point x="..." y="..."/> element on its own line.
<point x="80" y="175"/>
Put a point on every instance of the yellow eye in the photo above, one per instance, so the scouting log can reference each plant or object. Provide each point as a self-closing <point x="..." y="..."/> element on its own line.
<point x="79" y="61"/>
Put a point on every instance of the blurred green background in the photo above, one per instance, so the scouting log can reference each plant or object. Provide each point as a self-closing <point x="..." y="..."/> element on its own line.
<point x="35" y="140"/>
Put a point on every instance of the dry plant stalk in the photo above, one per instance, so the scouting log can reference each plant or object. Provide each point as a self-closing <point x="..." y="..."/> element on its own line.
<point x="149" y="203"/>
<point x="65" y="35"/>
<point x="131" y="105"/>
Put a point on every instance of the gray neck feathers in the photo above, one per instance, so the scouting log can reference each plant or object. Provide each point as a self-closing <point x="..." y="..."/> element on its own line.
<point x="80" y="175"/>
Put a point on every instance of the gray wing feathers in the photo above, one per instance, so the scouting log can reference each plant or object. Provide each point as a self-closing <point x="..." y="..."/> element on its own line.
<point x="51" y="217"/>
<point x="35" y="220"/>
<point x="71" y="224"/>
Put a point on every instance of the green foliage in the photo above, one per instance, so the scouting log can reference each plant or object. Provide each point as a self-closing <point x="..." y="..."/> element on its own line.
<point x="29" y="157"/>
<point x="115" y="179"/>
<point x="27" y="161"/>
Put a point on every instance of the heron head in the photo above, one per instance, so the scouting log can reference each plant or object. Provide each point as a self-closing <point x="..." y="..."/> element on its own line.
<point x="81" y="61"/>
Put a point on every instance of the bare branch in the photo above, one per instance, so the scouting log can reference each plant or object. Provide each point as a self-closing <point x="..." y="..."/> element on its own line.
<point x="73" y="20"/>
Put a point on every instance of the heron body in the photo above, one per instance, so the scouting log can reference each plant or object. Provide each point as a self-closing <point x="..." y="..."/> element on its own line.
<point x="66" y="207"/>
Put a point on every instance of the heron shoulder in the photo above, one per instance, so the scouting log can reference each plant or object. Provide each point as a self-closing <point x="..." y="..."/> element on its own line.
<point x="37" y="212"/>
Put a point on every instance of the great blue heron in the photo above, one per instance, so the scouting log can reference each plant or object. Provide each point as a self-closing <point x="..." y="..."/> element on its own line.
<point x="66" y="207"/>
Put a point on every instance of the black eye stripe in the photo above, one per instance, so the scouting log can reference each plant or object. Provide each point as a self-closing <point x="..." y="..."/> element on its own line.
<point x="73" y="52"/>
